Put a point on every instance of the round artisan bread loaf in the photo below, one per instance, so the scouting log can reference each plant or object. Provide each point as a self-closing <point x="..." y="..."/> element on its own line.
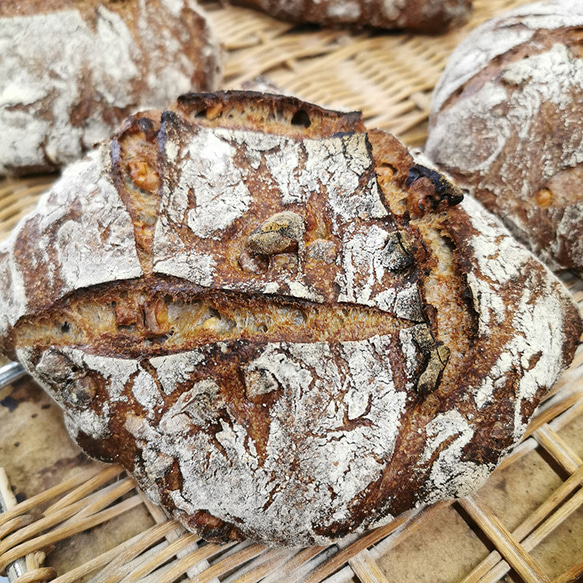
<point x="71" y="71"/>
<point x="428" y="16"/>
<point x="506" y="122"/>
<point x="282" y="325"/>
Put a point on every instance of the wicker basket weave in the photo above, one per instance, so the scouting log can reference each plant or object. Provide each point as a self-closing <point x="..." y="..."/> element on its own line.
<point x="87" y="522"/>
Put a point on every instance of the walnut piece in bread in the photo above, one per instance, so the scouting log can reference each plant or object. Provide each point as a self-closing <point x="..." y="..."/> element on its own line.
<point x="71" y="71"/>
<point x="281" y="325"/>
<point x="506" y="123"/>
<point x="426" y="16"/>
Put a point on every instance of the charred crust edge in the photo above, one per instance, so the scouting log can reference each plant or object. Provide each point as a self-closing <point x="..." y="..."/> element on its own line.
<point x="221" y="108"/>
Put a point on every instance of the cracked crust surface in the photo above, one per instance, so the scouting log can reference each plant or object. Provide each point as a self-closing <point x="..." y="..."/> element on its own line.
<point x="280" y="323"/>
<point x="506" y="124"/>
<point x="71" y="72"/>
<point x="426" y="16"/>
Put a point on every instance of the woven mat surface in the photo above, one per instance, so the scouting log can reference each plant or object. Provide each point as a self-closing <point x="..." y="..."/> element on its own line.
<point x="74" y="519"/>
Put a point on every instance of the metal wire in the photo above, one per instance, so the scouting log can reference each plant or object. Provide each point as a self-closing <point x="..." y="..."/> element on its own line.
<point x="10" y="372"/>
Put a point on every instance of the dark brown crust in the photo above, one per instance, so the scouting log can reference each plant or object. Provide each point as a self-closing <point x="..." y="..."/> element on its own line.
<point x="425" y="16"/>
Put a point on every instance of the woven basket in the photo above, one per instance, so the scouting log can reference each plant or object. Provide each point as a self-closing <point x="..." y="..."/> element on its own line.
<point x="85" y="521"/>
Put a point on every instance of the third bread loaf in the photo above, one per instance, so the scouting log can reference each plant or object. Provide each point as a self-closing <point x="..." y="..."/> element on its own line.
<point x="507" y="123"/>
<point x="419" y="15"/>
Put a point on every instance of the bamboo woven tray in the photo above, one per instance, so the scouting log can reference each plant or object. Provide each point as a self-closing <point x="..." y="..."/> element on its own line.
<point x="525" y="524"/>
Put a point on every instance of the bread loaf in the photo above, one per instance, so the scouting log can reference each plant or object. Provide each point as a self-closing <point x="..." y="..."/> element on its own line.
<point x="506" y="122"/>
<point x="282" y="325"/>
<point x="429" y="16"/>
<point x="71" y="71"/>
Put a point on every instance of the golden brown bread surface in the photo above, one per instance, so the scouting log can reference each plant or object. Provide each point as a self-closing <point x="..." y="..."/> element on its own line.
<point x="506" y="123"/>
<point x="72" y="71"/>
<point x="279" y="322"/>
<point x="426" y="16"/>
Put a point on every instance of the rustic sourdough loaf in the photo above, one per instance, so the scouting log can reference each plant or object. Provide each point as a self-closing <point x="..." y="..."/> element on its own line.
<point x="429" y="16"/>
<point x="280" y="323"/>
<point x="72" y="70"/>
<point x="506" y="123"/>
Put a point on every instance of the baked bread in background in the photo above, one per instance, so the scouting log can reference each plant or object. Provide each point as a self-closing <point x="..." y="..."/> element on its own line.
<point x="506" y="123"/>
<point x="426" y="16"/>
<point x="282" y="325"/>
<point x="71" y="71"/>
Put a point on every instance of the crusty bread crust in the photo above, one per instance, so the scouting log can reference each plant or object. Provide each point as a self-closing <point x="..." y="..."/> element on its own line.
<point x="76" y="70"/>
<point x="285" y="331"/>
<point x="427" y="16"/>
<point x="506" y="123"/>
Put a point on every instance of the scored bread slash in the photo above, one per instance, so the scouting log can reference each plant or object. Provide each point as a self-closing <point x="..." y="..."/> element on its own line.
<point x="279" y="322"/>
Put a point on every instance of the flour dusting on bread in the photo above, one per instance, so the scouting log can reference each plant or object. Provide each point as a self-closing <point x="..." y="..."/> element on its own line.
<point x="74" y="72"/>
<point x="293" y="344"/>
<point x="505" y="123"/>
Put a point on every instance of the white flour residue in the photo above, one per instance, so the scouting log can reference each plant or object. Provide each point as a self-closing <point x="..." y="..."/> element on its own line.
<point x="12" y="289"/>
<point x="347" y="11"/>
<point x="96" y="244"/>
<point x="408" y="303"/>
<point x="338" y="164"/>
<point x="196" y="267"/>
<point x="289" y="373"/>
<point x="498" y="36"/>
<point x="308" y="456"/>
<point x="197" y="405"/>
<point x="89" y="422"/>
<point x="496" y="379"/>
<point x="363" y="265"/>
<point x="531" y="354"/>
<point x="499" y="257"/>
<point x="536" y="346"/>
<point x="567" y="235"/>
<point x="146" y="392"/>
<point x="175" y="7"/>
<point x="363" y="280"/>
<point x="411" y="353"/>
<point x="297" y="289"/>
<point x="82" y="221"/>
<point x="488" y="303"/>
<point x="342" y="459"/>
<point x="208" y="171"/>
<point x="117" y="371"/>
<point x="552" y="77"/>
<point x="283" y="165"/>
<point x="450" y="476"/>
<point x="549" y="15"/>
<point x="174" y="369"/>
<point x="443" y="427"/>
<point x="47" y="56"/>
<point x="301" y="168"/>
<point x="84" y="418"/>
<point x="392" y="8"/>
<point x="234" y="439"/>
<point x="451" y="144"/>
<point x="487" y="135"/>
